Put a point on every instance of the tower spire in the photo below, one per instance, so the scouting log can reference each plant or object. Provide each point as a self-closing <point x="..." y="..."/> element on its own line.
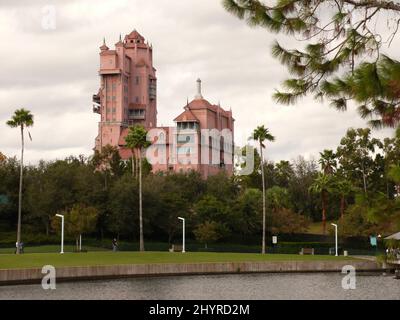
<point x="104" y="46"/>
<point x="198" y="95"/>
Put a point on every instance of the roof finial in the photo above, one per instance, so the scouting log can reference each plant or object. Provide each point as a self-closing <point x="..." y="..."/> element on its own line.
<point x="198" y="95"/>
<point x="104" y="46"/>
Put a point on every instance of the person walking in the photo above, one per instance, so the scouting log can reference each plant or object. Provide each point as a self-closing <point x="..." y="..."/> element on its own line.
<point x="114" y="245"/>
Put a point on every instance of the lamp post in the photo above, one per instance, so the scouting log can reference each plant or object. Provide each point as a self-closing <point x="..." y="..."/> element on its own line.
<point x="336" y="244"/>
<point x="183" y="234"/>
<point x="62" y="232"/>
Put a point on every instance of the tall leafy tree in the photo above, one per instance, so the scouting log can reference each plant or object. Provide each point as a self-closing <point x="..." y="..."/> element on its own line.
<point x="341" y="58"/>
<point x="246" y="211"/>
<point x="394" y="175"/>
<point x="136" y="140"/>
<point x="79" y="220"/>
<point x="305" y="172"/>
<point x="262" y="134"/>
<point x="108" y="161"/>
<point x="21" y="118"/>
<point x="284" y="171"/>
<point x="356" y="154"/>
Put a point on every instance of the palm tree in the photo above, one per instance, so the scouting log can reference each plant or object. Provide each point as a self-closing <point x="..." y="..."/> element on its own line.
<point x="21" y="118"/>
<point x="322" y="186"/>
<point x="327" y="161"/>
<point x="136" y="141"/>
<point x="261" y="134"/>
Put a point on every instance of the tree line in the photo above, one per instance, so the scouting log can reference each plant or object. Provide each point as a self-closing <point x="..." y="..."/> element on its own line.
<point x="357" y="183"/>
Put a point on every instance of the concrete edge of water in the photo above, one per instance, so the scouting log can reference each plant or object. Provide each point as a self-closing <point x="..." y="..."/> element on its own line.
<point x="34" y="275"/>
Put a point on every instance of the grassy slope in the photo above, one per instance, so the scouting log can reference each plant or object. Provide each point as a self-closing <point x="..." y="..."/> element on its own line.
<point x="8" y="261"/>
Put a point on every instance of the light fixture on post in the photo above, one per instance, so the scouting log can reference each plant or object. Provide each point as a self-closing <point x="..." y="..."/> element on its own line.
<point x="336" y="239"/>
<point x="62" y="232"/>
<point x="183" y="234"/>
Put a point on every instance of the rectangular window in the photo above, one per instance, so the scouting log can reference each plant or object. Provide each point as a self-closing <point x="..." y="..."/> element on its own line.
<point x="113" y="110"/>
<point x="137" y="80"/>
<point x="184" y="150"/>
<point x="137" y="114"/>
<point x="186" y="138"/>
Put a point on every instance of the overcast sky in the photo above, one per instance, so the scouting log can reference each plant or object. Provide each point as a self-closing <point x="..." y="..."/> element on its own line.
<point x="53" y="73"/>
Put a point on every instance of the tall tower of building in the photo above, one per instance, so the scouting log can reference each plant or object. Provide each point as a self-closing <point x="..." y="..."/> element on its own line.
<point x="128" y="85"/>
<point x="202" y="139"/>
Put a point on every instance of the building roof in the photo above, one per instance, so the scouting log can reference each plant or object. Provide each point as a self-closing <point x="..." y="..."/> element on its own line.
<point x="134" y="35"/>
<point x="198" y="104"/>
<point x="186" y="115"/>
<point x="108" y="52"/>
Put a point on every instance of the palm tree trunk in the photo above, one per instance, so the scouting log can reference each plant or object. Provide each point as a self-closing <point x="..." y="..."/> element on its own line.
<point x="133" y="165"/>
<point x="137" y="168"/>
<point x="21" y="173"/>
<point x="140" y="204"/>
<point x="364" y="179"/>
<point x="323" y="212"/>
<point x="263" y="193"/>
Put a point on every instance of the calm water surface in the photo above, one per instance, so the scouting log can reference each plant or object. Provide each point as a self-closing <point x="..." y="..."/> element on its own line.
<point x="248" y="286"/>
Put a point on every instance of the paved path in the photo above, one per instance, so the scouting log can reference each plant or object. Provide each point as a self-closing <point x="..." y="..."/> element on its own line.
<point x="369" y="258"/>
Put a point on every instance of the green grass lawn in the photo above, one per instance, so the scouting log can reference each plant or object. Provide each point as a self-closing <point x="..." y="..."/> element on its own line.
<point x="31" y="260"/>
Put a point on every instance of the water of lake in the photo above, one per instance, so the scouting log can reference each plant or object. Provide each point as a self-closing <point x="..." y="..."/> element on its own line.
<point x="243" y="286"/>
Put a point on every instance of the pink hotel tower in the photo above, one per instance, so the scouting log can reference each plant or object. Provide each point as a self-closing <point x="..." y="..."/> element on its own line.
<point x="128" y="96"/>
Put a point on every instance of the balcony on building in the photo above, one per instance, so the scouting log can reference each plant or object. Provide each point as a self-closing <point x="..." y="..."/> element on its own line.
<point x="136" y="114"/>
<point x="187" y="125"/>
<point x="152" y="88"/>
<point x="96" y="103"/>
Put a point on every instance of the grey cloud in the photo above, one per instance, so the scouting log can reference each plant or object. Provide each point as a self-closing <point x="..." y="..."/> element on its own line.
<point x="54" y="73"/>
